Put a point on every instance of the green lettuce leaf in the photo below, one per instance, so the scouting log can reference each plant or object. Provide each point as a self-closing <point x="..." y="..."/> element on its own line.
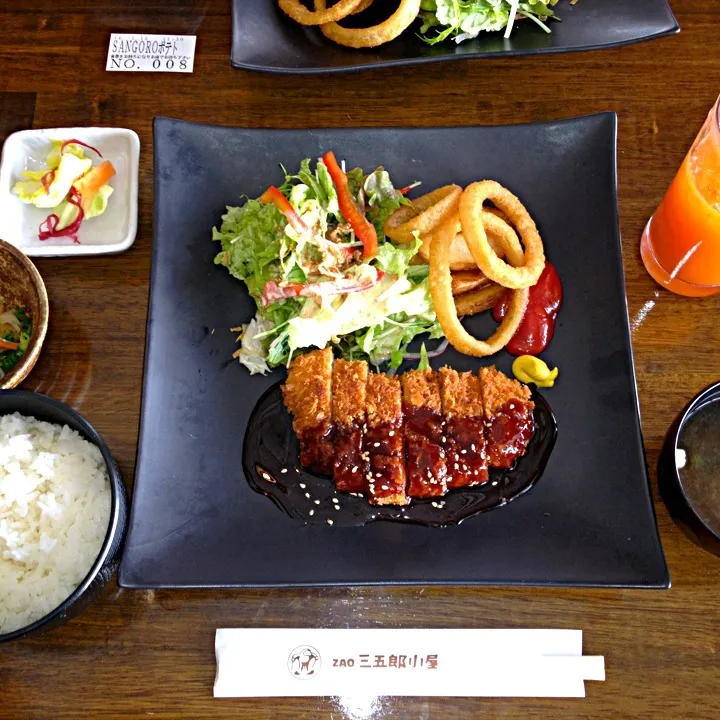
<point x="466" y="19"/>
<point x="395" y="259"/>
<point x="382" y="198"/>
<point x="251" y="238"/>
<point x="424" y="363"/>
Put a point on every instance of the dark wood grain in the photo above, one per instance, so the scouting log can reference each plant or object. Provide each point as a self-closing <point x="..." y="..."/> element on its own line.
<point x="150" y="654"/>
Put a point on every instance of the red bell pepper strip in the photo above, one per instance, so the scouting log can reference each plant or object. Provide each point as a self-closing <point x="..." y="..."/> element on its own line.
<point x="364" y="230"/>
<point x="272" y="292"/>
<point x="274" y="196"/>
<point x="8" y="345"/>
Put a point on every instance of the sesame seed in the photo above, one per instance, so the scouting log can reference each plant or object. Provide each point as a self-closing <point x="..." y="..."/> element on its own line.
<point x="378" y="474"/>
<point x="391" y="433"/>
<point x="355" y="469"/>
<point x="463" y="451"/>
<point x="494" y="482"/>
<point x="385" y="487"/>
<point x="376" y="445"/>
<point x="283" y="471"/>
<point x="302" y="486"/>
<point x="317" y="502"/>
<point x="329" y="521"/>
<point x="472" y="447"/>
<point x="434" y="504"/>
<point x="312" y="512"/>
<point x="457" y="467"/>
<point x="307" y="495"/>
<point x="337" y="507"/>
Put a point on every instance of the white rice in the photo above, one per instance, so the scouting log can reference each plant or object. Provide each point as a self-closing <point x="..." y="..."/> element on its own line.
<point x="54" y="513"/>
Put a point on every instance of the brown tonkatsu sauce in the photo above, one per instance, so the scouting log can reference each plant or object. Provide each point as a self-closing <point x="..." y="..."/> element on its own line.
<point x="465" y="450"/>
<point x="386" y="475"/>
<point x="270" y="464"/>
<point x="350" y="461"/>
<point x="317" y="450"/>
<point x="425" y="464"/>
<point x="509" y="432"/>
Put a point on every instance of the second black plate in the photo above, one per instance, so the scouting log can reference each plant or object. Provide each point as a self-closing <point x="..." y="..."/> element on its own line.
<point x="265" y="39"/>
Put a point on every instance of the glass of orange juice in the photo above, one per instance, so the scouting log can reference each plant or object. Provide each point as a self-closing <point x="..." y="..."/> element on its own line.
<point x="681" y="244"/>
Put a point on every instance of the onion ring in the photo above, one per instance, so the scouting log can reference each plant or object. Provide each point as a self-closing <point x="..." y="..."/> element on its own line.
<point x="339" y="11"/>
<point x="424" y="214"/>
<point x="441" y="291"/>
<point x="373" y="36"/>
<point x="498" y="234"/>
<point x="362" y="7"/>
<point x="472" y="220"/>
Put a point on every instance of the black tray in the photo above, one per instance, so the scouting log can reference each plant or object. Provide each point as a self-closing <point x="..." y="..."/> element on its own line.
<point x="267" y="40"/>
<point x="195" y="519"/>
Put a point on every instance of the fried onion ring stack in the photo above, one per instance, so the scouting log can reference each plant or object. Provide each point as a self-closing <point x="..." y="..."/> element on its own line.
<point x="480" y="242"/>
<point x="328" y="19"/>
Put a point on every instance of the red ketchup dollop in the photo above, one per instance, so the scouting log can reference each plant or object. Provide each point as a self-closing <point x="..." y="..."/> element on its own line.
<point x="538" y="324"/>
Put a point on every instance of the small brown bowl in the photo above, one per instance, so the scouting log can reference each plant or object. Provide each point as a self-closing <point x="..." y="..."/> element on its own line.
<point x="22" y="286"/>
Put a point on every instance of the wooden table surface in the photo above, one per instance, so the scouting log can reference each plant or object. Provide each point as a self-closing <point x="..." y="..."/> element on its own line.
<point x="135" y="654"/>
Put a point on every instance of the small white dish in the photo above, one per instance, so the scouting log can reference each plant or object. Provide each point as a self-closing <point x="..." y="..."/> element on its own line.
<point x="111" y="232"/>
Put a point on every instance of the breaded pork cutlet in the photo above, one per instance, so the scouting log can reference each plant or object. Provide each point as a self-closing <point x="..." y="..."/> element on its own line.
<point x="425" y="456"/>
<point x="308" y="396"/>
<point x="509" y="423"/>
<point x="349" y="393"/>
<point x="383" y="442"/>
<point x="464" y="437"/>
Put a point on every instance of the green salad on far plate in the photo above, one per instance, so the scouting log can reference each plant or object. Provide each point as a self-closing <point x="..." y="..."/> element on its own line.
<point x="466" y="19"/>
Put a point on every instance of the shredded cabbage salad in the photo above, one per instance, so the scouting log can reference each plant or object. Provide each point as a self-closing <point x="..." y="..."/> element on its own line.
<point x="311" y="282"/>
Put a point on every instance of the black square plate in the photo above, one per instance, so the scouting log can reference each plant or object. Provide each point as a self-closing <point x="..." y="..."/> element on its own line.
<point x="196" y="521"/>
<point x="264" y="38"/>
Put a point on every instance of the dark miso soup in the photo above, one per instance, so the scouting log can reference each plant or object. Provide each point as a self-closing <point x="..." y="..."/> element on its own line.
<point x="698" y="462"/>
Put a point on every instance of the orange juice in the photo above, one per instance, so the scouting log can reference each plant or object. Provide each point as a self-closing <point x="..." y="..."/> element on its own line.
<point x="681" y="243"/>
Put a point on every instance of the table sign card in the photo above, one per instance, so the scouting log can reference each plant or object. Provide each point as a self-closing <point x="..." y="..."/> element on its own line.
<point x="151" y="53"/>
<point x="260" y="662"/>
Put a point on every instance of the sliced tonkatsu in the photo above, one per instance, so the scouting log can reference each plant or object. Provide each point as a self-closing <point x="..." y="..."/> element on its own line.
<point x="383" y="443"/>
<point x="349" y="394"/>
<point x="464" y="434"/>
<point x="308" y="397"/>
<point x="424" y="454"/>
<point x="416" y="436"/>
<point x="509" y="422"/>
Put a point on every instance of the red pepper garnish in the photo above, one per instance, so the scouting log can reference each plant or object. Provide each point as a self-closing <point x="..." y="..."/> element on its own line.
<point x="47" y="179"/>
<point x="364" y="230"/>
<point x="48" y="228"/>
<point x="79" y="142"/>
<point x="538" y="324"/>
<point x="405" y="190"/>
<point x="274" y="196"/>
